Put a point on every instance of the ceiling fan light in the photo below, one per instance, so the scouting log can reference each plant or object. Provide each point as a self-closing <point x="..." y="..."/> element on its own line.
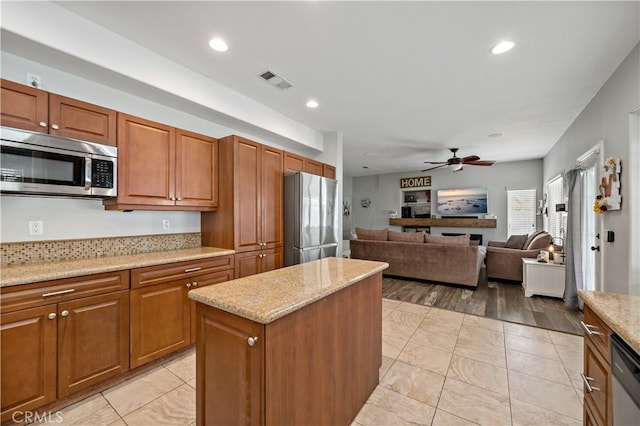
<point x="502" y="47"/>
<point x="455" y="167"/>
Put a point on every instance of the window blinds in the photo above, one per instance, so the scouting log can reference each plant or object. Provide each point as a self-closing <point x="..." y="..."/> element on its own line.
<point x="521" y="211"/>
<point x="554" y="222"/>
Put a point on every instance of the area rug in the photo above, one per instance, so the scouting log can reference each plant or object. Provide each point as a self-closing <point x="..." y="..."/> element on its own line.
<point x="499" y="300"/>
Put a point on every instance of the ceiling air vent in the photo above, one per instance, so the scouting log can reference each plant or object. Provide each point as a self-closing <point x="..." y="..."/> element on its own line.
<point x="275" y="80"/>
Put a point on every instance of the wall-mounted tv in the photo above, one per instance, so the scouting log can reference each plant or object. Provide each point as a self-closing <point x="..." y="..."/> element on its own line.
<point x="462" y="202"/>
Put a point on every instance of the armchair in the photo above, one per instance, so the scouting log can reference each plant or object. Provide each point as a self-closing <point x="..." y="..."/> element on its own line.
<point x="504" y="259"/>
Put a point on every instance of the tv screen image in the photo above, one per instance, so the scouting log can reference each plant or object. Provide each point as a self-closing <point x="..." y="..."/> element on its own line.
<point x="462" y="201"/>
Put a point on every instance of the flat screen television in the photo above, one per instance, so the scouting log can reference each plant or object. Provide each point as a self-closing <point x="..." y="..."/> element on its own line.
<point x="462" y="202"/>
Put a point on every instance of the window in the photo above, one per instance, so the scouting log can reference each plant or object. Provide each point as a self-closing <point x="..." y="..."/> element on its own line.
<point x="521" y="211"/>
<point x="555" y="221"/>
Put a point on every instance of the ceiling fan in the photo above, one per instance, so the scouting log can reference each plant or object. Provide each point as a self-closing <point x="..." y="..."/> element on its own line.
<point x="455" y="163"/>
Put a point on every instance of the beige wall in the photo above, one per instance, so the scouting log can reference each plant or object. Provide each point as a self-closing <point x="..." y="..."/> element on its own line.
<point x="606" y="118"/>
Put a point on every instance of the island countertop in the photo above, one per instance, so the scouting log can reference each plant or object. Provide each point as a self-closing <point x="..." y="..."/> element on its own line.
<point x="44" y="271"/>
<point x="621" y="312"/>
<point x="264" y="298"/>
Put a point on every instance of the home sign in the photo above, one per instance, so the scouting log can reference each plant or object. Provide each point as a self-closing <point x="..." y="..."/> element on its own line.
<point x="415" y="182"/>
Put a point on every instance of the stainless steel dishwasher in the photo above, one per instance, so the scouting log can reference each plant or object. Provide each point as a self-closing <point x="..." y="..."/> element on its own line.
<point x="625" y="383"/>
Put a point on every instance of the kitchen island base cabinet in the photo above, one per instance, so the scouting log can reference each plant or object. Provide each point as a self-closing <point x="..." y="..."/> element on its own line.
<point x="316" y="365"/>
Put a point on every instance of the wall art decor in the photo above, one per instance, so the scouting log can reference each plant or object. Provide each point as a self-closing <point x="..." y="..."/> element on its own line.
<point x="609" y="197"/>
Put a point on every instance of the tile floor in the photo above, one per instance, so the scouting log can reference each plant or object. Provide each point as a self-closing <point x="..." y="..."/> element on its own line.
<point x="439" y="367"/>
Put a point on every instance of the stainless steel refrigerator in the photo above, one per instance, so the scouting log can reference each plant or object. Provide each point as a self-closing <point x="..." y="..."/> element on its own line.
<point x="310" y="218"/>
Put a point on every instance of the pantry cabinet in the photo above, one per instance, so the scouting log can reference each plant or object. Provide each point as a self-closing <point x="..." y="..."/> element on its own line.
<point x="249" y="218"/>
<point x="61" y="336"/>
<point x="164" y="168"/>
<point x="162" y="315"/>
<point x="29" y="108"/>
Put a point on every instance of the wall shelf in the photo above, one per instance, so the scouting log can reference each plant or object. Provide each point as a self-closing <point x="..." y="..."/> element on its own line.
<point x="445" y="222"/>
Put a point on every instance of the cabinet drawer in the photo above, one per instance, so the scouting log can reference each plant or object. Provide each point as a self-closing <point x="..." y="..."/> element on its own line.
<point x="31" y="295"/>
<point x="153" y="275"/>
<point x="596" y="370"/>
<point x="600" y="332"/>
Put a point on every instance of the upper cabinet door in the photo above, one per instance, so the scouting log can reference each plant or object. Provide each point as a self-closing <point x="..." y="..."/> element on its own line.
<point x="328" y="171"/>
<point x="247" y="195"/>
<point x="272" y="197"/>
<point x="312" y="166"/>
<point x="23" y="107"/>
<point x="81" y="120"/>
<point x="196" y="170"/>
<point x="293" y="163"/>
<point x="146" y="162"/>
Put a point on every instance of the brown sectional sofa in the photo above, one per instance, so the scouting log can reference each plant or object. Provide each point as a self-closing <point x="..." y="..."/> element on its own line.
<point x="443" y="259"/>
<point x="504" y="259"/>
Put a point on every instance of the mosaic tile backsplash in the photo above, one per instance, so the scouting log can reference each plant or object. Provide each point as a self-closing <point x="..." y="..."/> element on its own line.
<point x="40" y="251"/>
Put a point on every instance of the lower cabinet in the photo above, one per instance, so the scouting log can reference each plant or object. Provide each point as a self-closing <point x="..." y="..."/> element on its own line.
<point x="56" y="342"/>
<point x="256" y="262"/>
<point x="598" y="407"/>
<point x="162" y="315"/>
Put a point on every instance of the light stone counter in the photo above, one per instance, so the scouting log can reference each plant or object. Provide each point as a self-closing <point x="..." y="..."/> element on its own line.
<point x="264" y="298"/>
<point x="621" y="312"/>
<point x="45" y="271"/>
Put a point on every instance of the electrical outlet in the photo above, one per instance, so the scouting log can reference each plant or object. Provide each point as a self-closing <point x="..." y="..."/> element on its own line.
<point x="166" y="224"/>
<point x="34" y="80"/>
<point x="36" y="227"/>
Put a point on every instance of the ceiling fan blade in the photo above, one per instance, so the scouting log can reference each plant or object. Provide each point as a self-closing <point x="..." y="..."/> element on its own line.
<point x="433" y="168"/>
<point x="435" y="162"/>
<point x="480" y="163"/>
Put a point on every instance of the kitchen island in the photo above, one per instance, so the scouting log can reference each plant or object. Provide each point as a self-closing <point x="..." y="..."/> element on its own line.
<point x="298" y="345"/>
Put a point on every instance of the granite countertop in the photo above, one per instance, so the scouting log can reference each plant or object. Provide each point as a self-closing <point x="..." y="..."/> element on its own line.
<point x="44" y="271"/>
<point x="266" y="297"/>
<point x="621" y="312"/>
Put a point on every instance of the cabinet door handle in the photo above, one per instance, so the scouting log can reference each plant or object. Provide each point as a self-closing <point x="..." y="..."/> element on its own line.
<point x="64" y="313"/>
<point x="179" y="198"/>
<point x="55" y="127"/>
<point x="586" y="381"/>
<point x="172" y="198"/>
<point x="42" y="124"/>
<point x="195" y="284"/>
<point x="188" y="285"/>
<point x="191" y="270"/>
<point x="58" y="293"/>
<point x="52" y="315"/>
<point x="588" y="328"/>
<point x="252" y="340"/>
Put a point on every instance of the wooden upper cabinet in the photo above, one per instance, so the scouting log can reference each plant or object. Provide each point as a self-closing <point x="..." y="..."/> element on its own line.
<point x="80" y="120"/>
<point x="293" y="162"/>
<point x="164" y="168"/>
<point x="196" y="170"/>
<point x="313" y="166"/>
<point x="247" y="195"/>
<point x="28" y="108"/>
<point x="271" y="203"/>
<point x="23" y="107"/>
<point x="328" y="171"/>
<point x="146" y="162"/>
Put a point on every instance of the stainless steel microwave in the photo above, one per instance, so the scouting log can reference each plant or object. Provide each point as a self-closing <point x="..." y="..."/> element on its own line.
<point x="41" y="164"/>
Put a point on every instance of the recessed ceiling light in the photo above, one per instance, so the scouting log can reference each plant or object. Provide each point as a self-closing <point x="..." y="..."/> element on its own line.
<point x="218" y="45"/>
<point x="312" y="103"/>
<point x="495" y="135"/>
<point x="503" y="46"/>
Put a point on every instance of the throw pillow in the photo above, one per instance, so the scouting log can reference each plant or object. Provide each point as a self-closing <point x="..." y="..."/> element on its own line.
<point x="541" y="241"/>
<point x="516" y="241"/>
<point x="372" y="234"/>
<point x="459" y="240"/>
<point x="407" y="237"/>
<point x="530" y="238"/>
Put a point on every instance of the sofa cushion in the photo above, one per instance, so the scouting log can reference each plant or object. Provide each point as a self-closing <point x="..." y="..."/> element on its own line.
<point x="516" y="241"/>
<point x="372" y="234"/>
<point x="459" y="240"/>
<point x="407" y="237"/>
<point x="541" y="241"/>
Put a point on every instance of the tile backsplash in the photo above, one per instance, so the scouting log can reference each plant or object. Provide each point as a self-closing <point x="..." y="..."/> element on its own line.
<point x="39" y="251"/>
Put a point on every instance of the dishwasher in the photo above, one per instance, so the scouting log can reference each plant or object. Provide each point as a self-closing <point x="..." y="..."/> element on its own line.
<point x="625" y="383"/>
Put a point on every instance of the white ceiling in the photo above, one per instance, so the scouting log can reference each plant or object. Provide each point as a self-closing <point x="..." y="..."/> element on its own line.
<point x="402" y="81"/>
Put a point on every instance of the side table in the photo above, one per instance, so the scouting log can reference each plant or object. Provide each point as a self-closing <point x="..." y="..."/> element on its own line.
<point x="546" y="279"/>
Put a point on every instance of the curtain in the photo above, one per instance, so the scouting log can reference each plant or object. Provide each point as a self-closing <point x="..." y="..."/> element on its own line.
<point x="574" y="281"/>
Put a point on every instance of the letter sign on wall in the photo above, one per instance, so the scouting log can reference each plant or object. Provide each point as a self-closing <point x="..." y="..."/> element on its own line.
<point x="415" y="182"/>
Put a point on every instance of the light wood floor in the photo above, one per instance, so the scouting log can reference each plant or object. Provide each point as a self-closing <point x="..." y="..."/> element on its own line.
<point x="499" y="300"/>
